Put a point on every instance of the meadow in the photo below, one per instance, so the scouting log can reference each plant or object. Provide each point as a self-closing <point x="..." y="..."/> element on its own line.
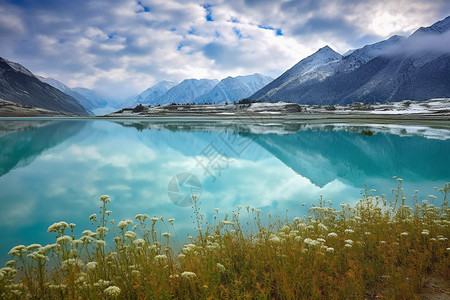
<point x="379" y="247"/>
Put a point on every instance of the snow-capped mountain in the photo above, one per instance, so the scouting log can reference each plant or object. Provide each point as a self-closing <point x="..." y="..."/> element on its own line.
<point x="19" y="85"/>
<point x="317" y="67"/>
<point x="149" y="96"/>
<point x="413" y="68"/>
<point x="187" y="91"/>
<point x="233" y="89"/>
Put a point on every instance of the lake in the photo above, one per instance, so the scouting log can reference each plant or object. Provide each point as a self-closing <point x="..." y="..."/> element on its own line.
<point x="55" y="170"/>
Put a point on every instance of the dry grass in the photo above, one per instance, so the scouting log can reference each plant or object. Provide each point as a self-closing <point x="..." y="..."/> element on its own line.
<point x="377" y="248"/>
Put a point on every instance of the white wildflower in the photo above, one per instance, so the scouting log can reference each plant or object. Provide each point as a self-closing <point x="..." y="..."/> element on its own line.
<point x="105" y="199"/>
<point x="17" y="250"/>
<point x="330" y="249"/>
<point x="64" y="239"/>
<point x="33" y="246"/>
<point x="139" y="242"/>
<point x="258" y="211"/>
<point x="171" y="220"/>
<point x="162" y="258"/>
<point x="348" y="245"/>
<point x="92" y="217"/>
<point x="154" y="219"/>
<point x="348" y="242"/>
<point x="100" y="242"/>
<point x="323" y="227"/>
<point x="217" y="210"/>
<point x="11" y="263"/>
<point x="332" y="234"/>
<point x="227" y="222"/>
<point x="130" y="234"/>
<point x="188" y="275"/>
<point x="166" y="235"/>
<point x="91" y="265"/>
<point x="321" y="240"/>
<point x="425" y="232"/>
<point x="275" y="239"/>
<point x="220" y="267"/>
<point x="101" y="230"/>
<point x="112" y="291"/>
<point x="142" y="217"/>
<point x="367" y="233"/>
<point x="349" y="231"/>
<point x="404" y="233"/>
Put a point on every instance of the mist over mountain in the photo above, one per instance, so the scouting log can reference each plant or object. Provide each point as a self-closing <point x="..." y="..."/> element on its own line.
<point x="413" y="68"/>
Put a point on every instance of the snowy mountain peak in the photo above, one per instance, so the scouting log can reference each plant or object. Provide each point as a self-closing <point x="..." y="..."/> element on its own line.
<point x="233" y="89"/>
<point x="17" y="67"/>
<point x="435" y="29"/>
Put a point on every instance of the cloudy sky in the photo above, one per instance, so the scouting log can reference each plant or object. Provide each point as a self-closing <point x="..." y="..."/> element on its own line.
<point x="121" y="47"/>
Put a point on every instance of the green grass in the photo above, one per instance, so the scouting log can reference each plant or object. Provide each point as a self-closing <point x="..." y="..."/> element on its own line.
<point x="374" y="248"/>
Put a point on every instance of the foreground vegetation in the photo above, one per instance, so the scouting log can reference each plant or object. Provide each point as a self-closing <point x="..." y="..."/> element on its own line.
<point x="374" y="248"/>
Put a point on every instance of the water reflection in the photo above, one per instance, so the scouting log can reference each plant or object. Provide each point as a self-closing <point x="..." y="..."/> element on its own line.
<point x="67" y="165"/>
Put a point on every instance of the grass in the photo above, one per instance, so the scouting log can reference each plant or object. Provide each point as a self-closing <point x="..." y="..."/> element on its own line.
<point x="376" y="248"/>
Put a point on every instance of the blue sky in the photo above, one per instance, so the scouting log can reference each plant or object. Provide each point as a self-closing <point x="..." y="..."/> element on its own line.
<point x="122" y="47"/>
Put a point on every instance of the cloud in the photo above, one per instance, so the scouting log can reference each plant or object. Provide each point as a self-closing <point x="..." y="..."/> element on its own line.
<point x="122" y="47"/>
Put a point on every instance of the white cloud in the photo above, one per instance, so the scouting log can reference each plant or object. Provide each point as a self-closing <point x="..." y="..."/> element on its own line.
<point x="123" y="47"/>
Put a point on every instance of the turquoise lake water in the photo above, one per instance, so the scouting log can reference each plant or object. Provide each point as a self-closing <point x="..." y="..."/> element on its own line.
<point x="55" y="170"/>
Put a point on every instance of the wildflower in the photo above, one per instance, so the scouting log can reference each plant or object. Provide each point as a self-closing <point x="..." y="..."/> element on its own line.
<point x="332" y="234"/>
<point x="124" y="223"/>
<point x="11" y="263"/>
<point x="130" y="234"/>
<point x="217" y="210"/>
<point x="87" y="233"/>
<point x="329" y="249"/>
<point x="16" y="251"/>
<point x="258" y="211"/>
<point x="100" y="242"/>
<point x="112" y="291"/>
<point x="425" y="232"/>
<point x="442" y="239"/>
<point x="382" y="242"/>
<point x="348" y="245"/>
<point x="181" y="256"/>
<point x="321" y="240"/>
<point x="188" y="275"/>
<point x="220" y="267"/>
<point x="101" y="230"/>
<point x="105" y="199"/>
<point x="367" y="233"/>
<point x="154" y="219"/>
<point x="64" y="239"/>
<point x="142" y="217"/>
<point x="432" y="196"/>
<point x="166" y="235"/>
<point x="171" y="220"/>
<point x="33" y="246"/>
<point x="285" y="228"/>
<point x="139" y="242"/>
<point x="448" y="249"/>
<point x="92" y="217"/>
<point x="174" y="276"/>
<point x="348" y="242"/>
<point x="228" y="222"/>
<point x="404" y="233"/>
<point x="304" y="250"/>
<point x="323" y="226"/>
<point x="311" y="242"/>
<point x="275" y="239"/>
<point x="162" y="258"/>
<point x="91" y="265"/>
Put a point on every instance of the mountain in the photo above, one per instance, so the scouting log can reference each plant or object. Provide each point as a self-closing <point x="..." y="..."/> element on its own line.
<point x="149" y="96"/>
<point x="186" y="91"/>
<point x="19" y="85"/>
<point x="413" y="68"/>
<point x="233" y="89"/>
<point x="85" y="102"/>
<point x="317" y="66"/>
